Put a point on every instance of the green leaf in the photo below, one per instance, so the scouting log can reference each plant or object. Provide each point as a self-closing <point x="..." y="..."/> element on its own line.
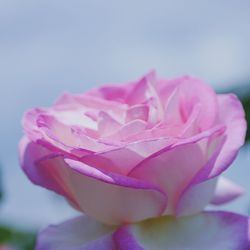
<point x="22" y="240"/>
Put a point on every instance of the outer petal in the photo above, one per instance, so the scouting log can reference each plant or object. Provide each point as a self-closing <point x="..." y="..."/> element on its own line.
<point x="81" y="233"/>
<point x="174" y="173"/>
<point x="195" y="197"/>
<point x="29" y="154"/>
<point x="226" y="191"/>
<point x="164" y="169"/>
<point x="200" y="190"/>
<point x="111" y="198"/>
<point x="114" y="199"/>
<point x="233" y="116"/>
<point x="204" y="231"/>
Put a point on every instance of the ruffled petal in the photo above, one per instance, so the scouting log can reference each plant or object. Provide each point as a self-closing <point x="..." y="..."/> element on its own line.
<point x="123" y="159"/>
<point x="206" y="231"/>
<point x="47" y="129"/>
<point x="206" y="98"/>
<point x="188" y="87"/>
<point x="141" y="90"/>
<point x="81" y="233"/>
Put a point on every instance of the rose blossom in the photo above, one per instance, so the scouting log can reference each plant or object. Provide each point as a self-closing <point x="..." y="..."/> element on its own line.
<point x="126" y="153"/>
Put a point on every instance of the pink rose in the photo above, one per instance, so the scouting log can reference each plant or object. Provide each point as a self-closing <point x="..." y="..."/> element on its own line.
<point x="126" y="153"/>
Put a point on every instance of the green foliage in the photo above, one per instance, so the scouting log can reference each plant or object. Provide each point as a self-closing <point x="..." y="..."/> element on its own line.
<point x="22" y="240"/>
<point x="246" y="105"/>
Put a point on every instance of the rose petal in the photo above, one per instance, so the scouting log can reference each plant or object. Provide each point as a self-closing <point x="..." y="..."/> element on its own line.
<point x="120" y="160"/>
<point x="174" y="167"/>
<point x="141" y="90"/>
<point x="226" y="191"/>
<point x="30" y="154"/>
<point x="162" y="170"/>
<point x="123" y="159"/>
<point x="200" y="189"/>
<point x="91" y="190"/>
<point x="81" y="233"/>
<point x="232" y="114"/>
<point x="126" y="132"/>
<point x="172" y="109"/>
<point x="206" y="98"/>
<point x="191" y="127"/>
<point x="87" y="102"/>
<point x="195" y="197"/>
<point x="114" y="198"/>
<point x="204" y="231"/>
<point x="234" y="138"/>
<point x="47" y="130"/>
<point x="139" y="111"/>
<point x="112" y="92"/>
<point x="188" y="87"/>
<point x="106" y="124"/>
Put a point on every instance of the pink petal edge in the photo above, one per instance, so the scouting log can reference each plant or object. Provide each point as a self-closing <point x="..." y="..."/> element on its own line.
<point x="135" y="200"/>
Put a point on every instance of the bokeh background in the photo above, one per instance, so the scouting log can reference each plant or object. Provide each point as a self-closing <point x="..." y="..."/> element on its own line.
<point x="47" y="47"/>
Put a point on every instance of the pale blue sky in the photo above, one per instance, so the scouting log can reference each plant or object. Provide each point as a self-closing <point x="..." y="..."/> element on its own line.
<point x="47" y="47"/>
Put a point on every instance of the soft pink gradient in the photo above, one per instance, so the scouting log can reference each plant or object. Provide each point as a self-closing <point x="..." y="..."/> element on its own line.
<point x="143" y="149"/>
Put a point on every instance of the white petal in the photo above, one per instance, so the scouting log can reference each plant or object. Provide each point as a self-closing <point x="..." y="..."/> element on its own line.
<point x="81" y="233"/>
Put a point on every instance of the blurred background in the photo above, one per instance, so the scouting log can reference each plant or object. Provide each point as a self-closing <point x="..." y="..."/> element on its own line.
<point x="47" y="47"/>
